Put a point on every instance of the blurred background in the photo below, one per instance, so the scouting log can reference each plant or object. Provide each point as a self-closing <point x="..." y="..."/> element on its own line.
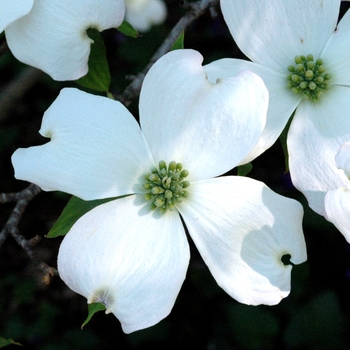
<point x="316" y="315"/>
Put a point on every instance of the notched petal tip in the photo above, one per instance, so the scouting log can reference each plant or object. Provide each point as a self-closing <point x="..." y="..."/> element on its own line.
<point x="254" y="228"/>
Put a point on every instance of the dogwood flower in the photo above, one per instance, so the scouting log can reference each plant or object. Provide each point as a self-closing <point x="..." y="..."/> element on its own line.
<point x="51" y="35"/>
<point x="143" y="14"/>
<point x="337" y="201"/>
<point x="305" y="65"/>
<point x="131" y="253"/>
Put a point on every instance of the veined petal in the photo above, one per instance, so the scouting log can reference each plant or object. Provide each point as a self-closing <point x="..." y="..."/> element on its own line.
<point x="52" y="37"/>
<point x="282" y="102"/>
<point x="209" y="127"/>
<point x="342" y="158"/>
<point x="96" y="150"/>
<point x="242" y="230"/>
<point x="142" y="14"/>
<point x="129" y="260"/>
<point x="336" y="54"/>
<point x="317" y="132"/>
<point x="273" y="32"/>
<point x="337" y="205"/>
<point x="12" y="10"/>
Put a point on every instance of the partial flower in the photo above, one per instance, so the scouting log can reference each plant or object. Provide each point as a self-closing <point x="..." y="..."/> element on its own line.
<point x="131" y="253"/>
<point x="305" y="65"/>
<point x="51" y="35"/>
<point x="143" y="14"/>
<point x="337" y="201"/>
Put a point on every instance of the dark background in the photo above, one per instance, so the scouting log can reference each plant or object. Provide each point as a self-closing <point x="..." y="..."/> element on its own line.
<point x="45" y="317"/>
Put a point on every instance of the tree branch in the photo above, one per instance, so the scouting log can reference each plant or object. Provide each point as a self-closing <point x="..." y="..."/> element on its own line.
<point x="23" y="198"/>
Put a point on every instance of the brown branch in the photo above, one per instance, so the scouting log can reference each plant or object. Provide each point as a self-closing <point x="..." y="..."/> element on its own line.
<point x="22" y="199"/>
<point x="195" y="10"/>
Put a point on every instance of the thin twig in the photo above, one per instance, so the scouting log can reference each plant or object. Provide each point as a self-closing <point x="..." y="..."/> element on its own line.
<point x="23" y="198"/>
<point x="195" y="10"/>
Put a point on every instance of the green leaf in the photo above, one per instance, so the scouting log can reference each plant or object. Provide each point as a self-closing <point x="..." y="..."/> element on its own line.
<point x="244" y="169"/>
<point x="4" y="342"/>
<point x="74" y="210"/>
<point x="179" y="42"/>
<point x="92" y="309"/>
<point x="98" y="77"/>
<point x="128" y="30"/>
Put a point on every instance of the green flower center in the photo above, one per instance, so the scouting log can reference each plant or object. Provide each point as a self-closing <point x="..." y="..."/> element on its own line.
<point x="308" y="78"/>
<point x="166" y="186"/>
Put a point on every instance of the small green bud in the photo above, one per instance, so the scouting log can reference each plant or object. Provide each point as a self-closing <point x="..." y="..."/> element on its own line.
<point x="303" y="85"/>
<point x="184" y="173"/>
<point x="296" y="78"/>
<point x="178" y="166"/>
<point x="168" y="194"/>
<point x="309" y="74"/>
<point x="297" y="59"/>
<point x="312" y="85"/>
<point x="172" y="166"/>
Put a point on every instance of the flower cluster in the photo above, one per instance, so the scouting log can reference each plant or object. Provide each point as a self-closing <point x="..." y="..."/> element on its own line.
<point x="164" y="176"/>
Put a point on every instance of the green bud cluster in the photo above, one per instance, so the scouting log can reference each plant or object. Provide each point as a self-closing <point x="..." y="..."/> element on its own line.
<point x="308" y="78"/>
<point x="166" y="186"/>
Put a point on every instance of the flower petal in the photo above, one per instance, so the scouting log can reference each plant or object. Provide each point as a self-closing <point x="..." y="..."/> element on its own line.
<point x="242" y="230"/>
<point x="96" y="150"/>
<point x="52" y="37"/>
<point x="131" y="261"/>
<point x="142" y="14"/>
<point x="208" y="127"/>
<point x="315" y="136"/>
<point x="273" y="32"/>
<point x="337" y="52"/>
<point x="342" y="158"/>
<point x="281" y="102"/>
<point x="12" y="10"/>
<point x="337" y="206"/>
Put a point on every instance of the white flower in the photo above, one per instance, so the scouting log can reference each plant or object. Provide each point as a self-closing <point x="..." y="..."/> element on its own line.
<point x="272" y="33"/>
<point x="51" y="35"/>
<point x="337" y="202"/>
<point x="132" y="258"/>
<point x="143" y="14"/>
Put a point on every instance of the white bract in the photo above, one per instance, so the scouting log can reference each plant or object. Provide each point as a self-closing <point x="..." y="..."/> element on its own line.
<point x="132" y="253"/>
<point x="337" y="202"/>
<point x="305" y="64"/>
<point x="143" y="14"/>
<point x="51" y="35"/>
